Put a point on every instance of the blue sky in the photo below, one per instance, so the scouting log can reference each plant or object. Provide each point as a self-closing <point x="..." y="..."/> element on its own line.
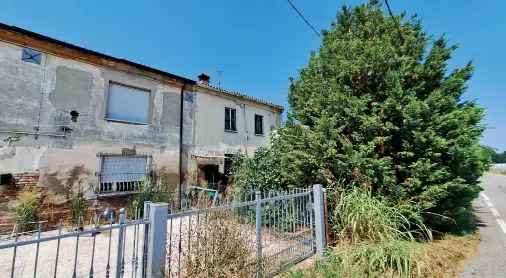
<point x="257" y="45"/>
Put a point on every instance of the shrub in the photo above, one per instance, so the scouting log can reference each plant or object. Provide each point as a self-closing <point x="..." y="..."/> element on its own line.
<point x="220" y="247"/>
<point x="26" y="211"/>
<point x="148" y="191"/>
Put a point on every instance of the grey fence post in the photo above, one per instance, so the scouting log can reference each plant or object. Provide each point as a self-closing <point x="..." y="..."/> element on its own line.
<point x="157" y="239"/>
<point x="319" y="219"/>
<point x="145" y="239"/>
<point x="258" y="225"/>
<point x="121" y="253"/>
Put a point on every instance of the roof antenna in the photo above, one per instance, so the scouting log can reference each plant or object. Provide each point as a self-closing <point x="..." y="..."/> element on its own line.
<point x="219" y="74"/>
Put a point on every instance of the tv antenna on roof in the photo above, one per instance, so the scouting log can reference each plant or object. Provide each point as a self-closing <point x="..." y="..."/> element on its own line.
<point x="219" y="75"/>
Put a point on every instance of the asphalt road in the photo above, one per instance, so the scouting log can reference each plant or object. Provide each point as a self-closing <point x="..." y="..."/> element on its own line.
<point x="491" y="212"/>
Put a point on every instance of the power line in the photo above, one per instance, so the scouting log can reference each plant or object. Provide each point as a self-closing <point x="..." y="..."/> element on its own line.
<point x="389" y="10"/>
<point x="303" y="18"/>
<point x="398" y="24"/>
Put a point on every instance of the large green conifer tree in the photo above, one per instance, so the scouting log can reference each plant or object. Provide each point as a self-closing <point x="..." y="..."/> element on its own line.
<point x="377" y="107"/>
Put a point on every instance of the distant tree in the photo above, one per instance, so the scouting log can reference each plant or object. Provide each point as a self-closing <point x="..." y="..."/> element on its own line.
<point x="376" y="107"/>
<point x="496" y="157"/>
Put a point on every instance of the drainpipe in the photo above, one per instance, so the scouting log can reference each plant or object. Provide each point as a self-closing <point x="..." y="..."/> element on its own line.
<point x="181" y="121"/>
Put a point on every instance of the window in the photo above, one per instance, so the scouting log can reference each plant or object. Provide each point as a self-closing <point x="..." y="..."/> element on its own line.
<point x="127" y="104"/>
<point x="122" y="173"/>
<point x="31" y="56"/>
<point x="230" y="119"/>
<point x="259" y="125"/>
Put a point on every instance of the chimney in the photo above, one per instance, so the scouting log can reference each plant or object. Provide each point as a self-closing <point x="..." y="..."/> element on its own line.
<point x="204" y="79"/>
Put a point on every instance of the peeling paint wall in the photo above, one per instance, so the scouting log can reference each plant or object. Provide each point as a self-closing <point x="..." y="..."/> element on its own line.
<point x="42" y="96"/>
<point x="210" y="138"/>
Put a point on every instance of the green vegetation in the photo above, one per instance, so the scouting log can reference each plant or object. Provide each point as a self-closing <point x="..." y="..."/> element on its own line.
<point x="496" y="157"/>
<point x="78" y="208"/>
<point x="376" y="107"/>
<point x="148" y="191"/>
<point x="26" y="212"/>
<point x="358" y="216"/>
<point x="377" y="117"/>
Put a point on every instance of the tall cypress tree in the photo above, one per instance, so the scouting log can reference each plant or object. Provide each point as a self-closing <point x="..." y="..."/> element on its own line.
<point x="377" y="107"/>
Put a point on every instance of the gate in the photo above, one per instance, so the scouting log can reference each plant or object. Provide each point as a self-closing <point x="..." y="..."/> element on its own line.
<point x="261" y="235"/>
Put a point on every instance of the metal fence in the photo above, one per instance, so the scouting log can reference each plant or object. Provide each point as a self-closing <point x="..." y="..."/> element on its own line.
<point x="110" y="248"/>
<point x="260" y="235"/>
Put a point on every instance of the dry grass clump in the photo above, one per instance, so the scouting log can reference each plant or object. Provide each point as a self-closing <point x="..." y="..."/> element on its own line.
<point x="446" y="257"/>
<point x="220" y="247"/>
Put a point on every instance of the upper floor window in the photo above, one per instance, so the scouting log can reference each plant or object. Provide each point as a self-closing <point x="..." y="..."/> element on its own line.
<point x="127" y="104"/>
<point x="259" y="125"/>
<point x="230" y="119"/>
<point x="31" y="56"/>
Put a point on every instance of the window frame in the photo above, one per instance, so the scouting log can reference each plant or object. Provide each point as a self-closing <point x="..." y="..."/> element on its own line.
<point x="113" y="186"/>
<point x="108" y="99"/>
<point x="232" y="121"/>
<point x="33" y="56"/>
<point x="262" y="129"/>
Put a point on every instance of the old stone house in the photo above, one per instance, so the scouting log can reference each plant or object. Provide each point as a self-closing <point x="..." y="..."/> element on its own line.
<point x="75" y="118"/>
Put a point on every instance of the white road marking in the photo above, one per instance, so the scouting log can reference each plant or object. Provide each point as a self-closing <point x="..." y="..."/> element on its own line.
<point x="484" y="196"/>
<point x="502" y="225"/>
<point x="495" y="212"/>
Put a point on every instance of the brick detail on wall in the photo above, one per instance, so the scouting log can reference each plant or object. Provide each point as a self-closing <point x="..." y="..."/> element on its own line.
<point x="51" y="214"/>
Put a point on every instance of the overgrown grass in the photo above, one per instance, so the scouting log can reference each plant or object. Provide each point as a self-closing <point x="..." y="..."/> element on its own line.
<point x="375" y="240"/>
<point x="359" y="216"/>
<point x="26" y="211"/>
<point x="440" y="258"/>
<point x="148" y="191"/>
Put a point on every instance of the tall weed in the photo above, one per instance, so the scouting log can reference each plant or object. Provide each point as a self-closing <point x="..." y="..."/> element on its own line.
<point x="360" y="216"/>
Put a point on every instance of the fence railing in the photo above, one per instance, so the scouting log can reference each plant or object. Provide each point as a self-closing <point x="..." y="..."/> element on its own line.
<point x="259" y="235"/>
<point x="113" y="249"/>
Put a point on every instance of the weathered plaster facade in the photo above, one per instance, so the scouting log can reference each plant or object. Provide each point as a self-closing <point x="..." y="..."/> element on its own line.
<point x="54" y="131"/>
<point x="37" y="132"/>
<point x="211" y="142"/>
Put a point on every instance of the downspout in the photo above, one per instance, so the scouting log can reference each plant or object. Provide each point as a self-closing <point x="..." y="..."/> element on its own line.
<point x="181" y="121"/>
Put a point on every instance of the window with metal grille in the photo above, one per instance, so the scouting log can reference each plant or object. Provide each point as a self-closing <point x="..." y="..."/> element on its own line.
<point x="259" y="125"/>
<point x="230" y="119"/>
<point x="122" y="173"/>
<point x="127" y="104"/>
<point x="31" y="56"/>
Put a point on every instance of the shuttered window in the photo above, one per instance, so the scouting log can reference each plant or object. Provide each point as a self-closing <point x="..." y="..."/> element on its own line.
<point x="122" y="172"/>
<point x="127" y="104"/>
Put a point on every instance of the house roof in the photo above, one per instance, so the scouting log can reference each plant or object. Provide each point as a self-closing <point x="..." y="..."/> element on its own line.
<point x="243" y="96"/>
<point x="142" y="67"/>
<point x="92" y="52"/>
